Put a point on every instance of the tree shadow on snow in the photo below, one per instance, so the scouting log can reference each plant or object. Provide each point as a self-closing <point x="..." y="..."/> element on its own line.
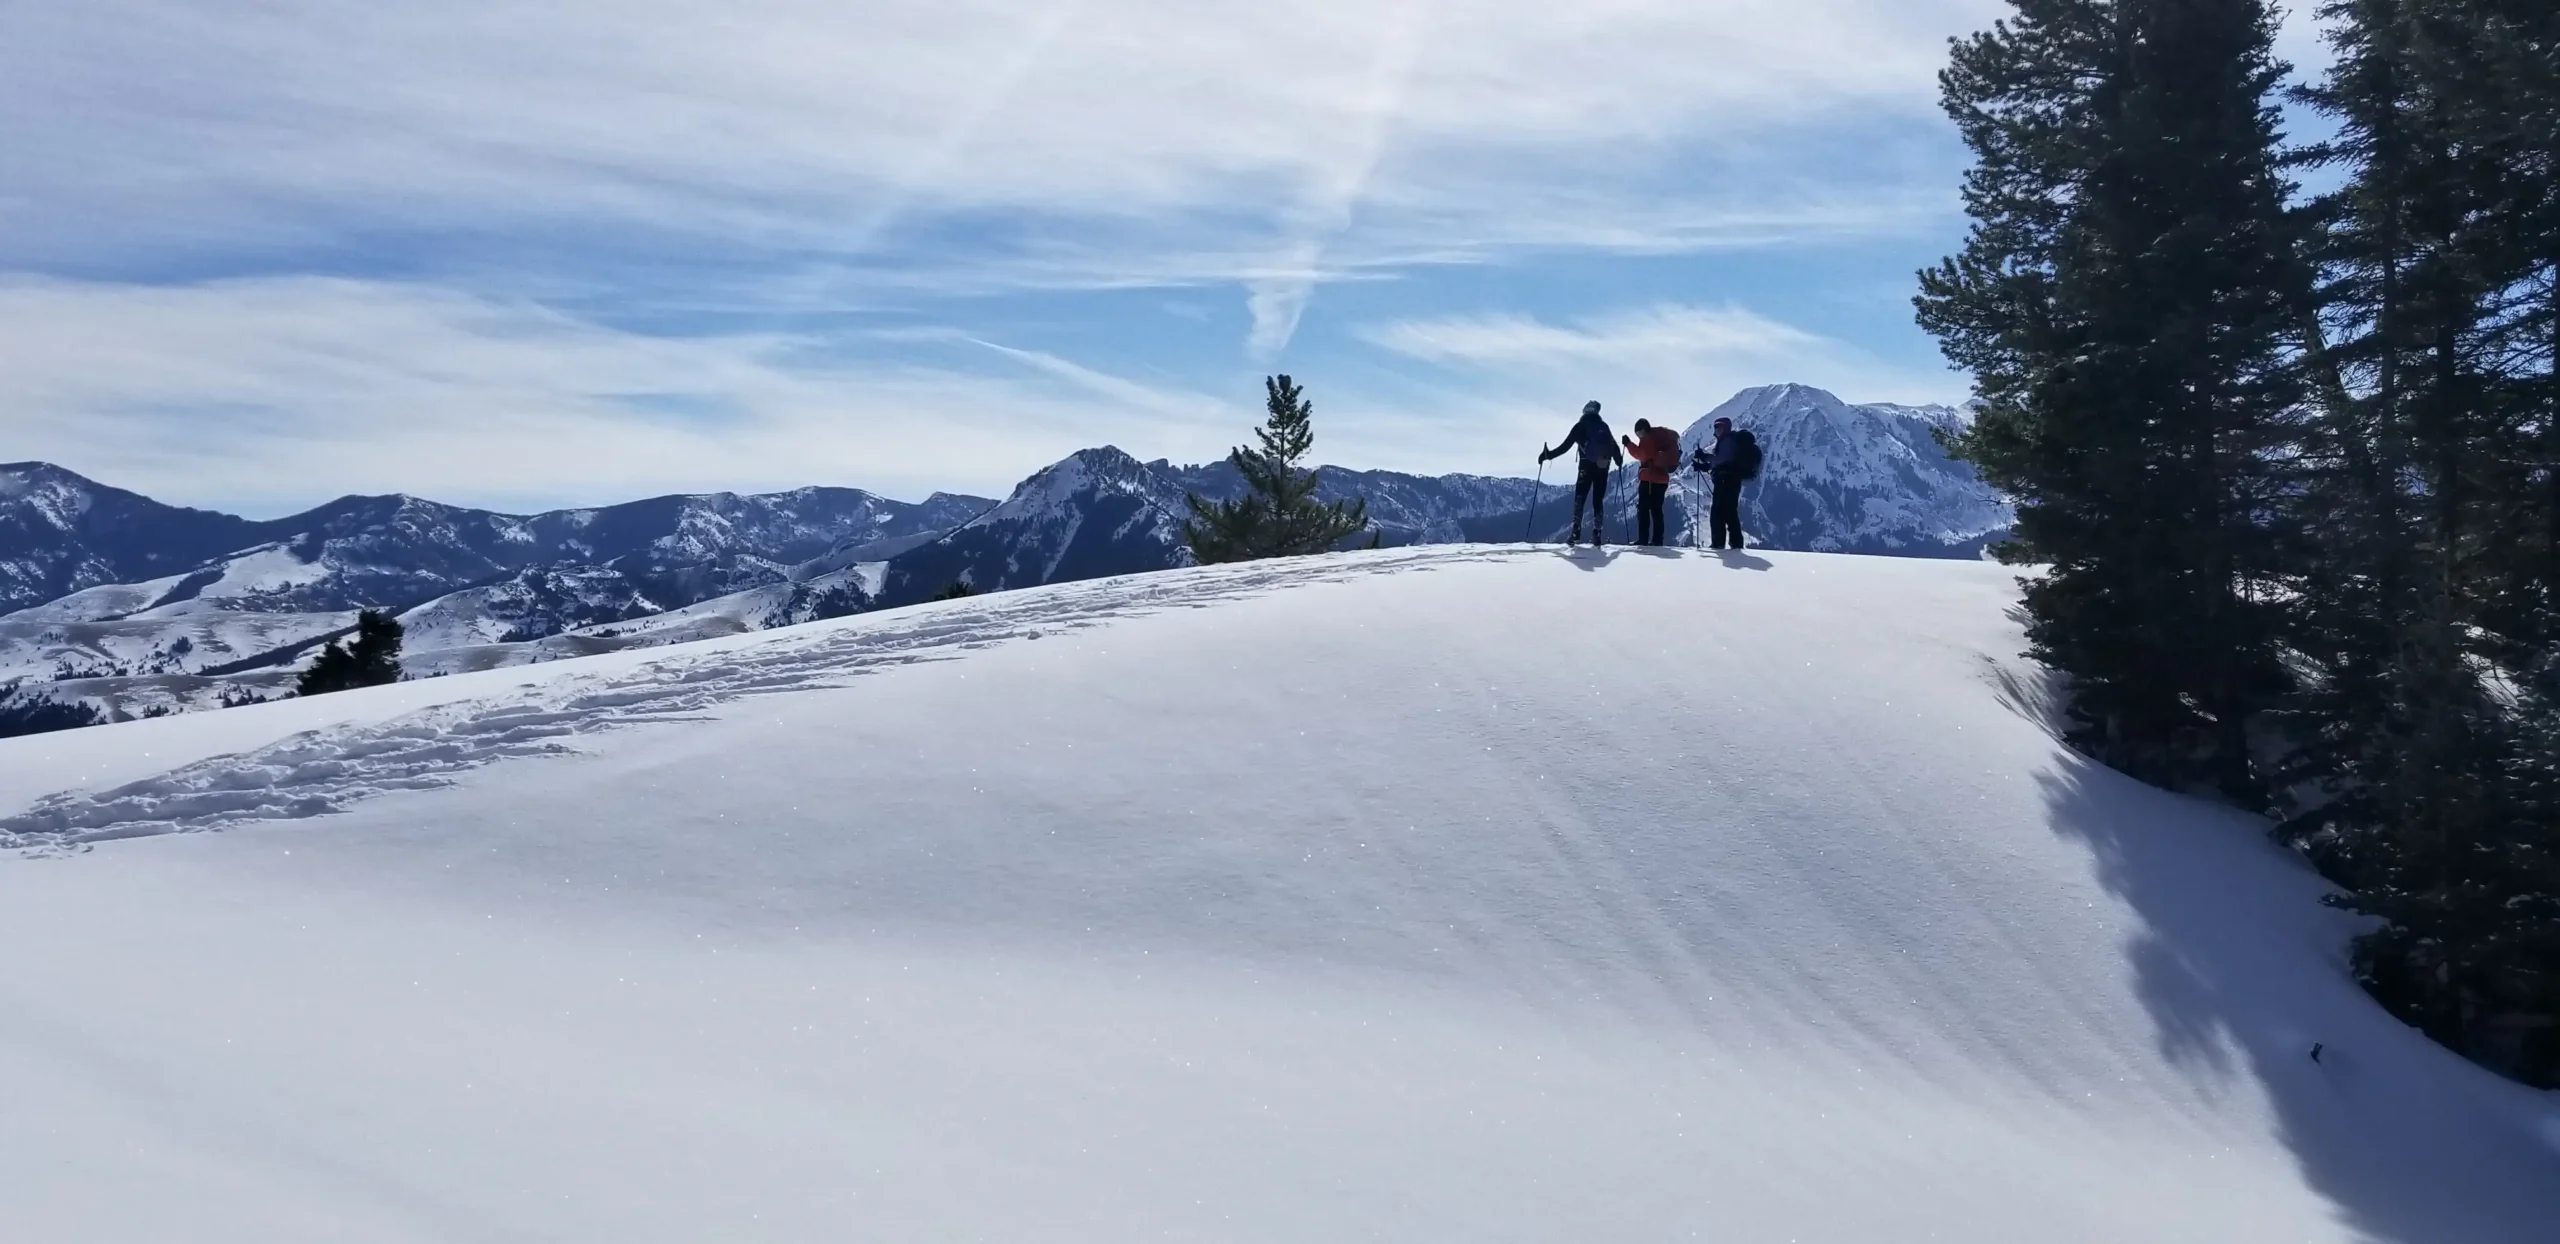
<point x="2384" y="1124"/>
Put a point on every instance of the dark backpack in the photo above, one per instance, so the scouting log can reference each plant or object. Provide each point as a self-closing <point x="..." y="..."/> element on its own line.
<point x="1746" y="455"/>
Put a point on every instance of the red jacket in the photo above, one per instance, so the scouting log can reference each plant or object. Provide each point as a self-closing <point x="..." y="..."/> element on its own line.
<point x="1658" y="457"/>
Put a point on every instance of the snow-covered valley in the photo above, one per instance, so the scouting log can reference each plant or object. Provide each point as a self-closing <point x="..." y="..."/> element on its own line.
<point x="1447" y="893"/>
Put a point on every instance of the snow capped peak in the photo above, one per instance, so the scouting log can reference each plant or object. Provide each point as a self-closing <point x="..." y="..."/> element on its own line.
<point x="1095" y="512"/>
<point x="17" y="479"/>
<point x="1079" y="475"/>
<point x="1855" y="478"/>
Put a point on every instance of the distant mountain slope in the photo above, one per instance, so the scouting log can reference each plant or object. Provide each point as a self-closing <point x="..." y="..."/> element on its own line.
<point x="1857" y="479"/>
<point x="60" y="533"/>
<point x="212" y="626"/>
<point x="1403" y="509"/>
<point x="532" y="603"/>
<point x="1096" y="512"/>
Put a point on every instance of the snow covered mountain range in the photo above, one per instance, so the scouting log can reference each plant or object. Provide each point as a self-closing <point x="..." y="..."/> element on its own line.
<point x="140" y="608"/>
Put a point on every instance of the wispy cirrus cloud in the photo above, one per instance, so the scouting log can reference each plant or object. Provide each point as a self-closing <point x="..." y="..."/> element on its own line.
<point x="577" y="248"/>
<point x="271" y="394"/>
<point x="163" y="124"/>
<point x="1647" y="337"/>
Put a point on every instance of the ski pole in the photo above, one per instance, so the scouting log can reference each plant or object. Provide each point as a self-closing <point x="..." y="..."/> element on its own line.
<point x="1529" y="536"/>
<point x="1696" y="541"/>
<point x="1627" y="503"/>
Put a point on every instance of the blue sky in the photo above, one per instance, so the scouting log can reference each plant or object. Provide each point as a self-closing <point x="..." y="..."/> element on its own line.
<point x="534" y="254"/>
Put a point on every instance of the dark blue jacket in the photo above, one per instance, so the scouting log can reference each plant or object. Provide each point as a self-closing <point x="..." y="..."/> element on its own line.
<point x="1722" y="460"/>
<point x="1593" y="437"/>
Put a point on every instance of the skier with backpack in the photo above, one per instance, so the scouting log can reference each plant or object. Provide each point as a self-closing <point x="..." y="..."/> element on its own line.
<point x="1731" y="461"/>
<point x="1657" y="455"/>
<point x="1600" y="455"/>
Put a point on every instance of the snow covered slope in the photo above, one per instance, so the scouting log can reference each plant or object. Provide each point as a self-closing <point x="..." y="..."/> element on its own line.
<point x="1444" y="894"/>
<point x="835" y="594"/>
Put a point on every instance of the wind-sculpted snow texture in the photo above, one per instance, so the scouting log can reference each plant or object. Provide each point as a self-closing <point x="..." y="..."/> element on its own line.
<point x="309" y="775"/>
<point x="1483" y="894"/>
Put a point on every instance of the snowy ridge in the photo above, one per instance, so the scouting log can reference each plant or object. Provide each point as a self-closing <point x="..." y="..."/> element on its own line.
<point x="1288" y="901"/>
<point x="192" y="644"/>
<point x="532" y="603"/>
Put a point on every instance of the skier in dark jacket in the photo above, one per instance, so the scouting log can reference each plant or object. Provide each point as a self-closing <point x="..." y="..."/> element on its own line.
<point x="1722" y="461"/>
<point x="1600" y="454"/>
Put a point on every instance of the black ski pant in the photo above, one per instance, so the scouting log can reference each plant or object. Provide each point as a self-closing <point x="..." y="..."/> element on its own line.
<point x="1724" y="514"/>
<point x="1649" y="511"/>
<point x="1592" y="483"/>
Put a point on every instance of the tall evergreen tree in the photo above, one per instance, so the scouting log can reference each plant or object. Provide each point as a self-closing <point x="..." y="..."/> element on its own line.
<point x="2124" y="302"/>
<point x="2423" y="618"/>
<point x="370" y="659"/>
<point x="1278" y="515"/>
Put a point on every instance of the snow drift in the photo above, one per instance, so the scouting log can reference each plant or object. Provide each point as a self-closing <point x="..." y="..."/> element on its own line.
<point x="1437" y="894"/>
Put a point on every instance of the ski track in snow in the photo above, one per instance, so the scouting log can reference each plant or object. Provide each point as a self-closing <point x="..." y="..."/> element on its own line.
<point x="319" y="772"/>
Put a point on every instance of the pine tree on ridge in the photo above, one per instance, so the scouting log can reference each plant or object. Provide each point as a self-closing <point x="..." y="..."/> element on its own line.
<point x="370" y="658"/>
<point x="1278" y="515"/>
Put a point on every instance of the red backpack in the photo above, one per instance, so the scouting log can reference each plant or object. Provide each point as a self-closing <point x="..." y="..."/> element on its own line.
<point x="1662" y="451"/>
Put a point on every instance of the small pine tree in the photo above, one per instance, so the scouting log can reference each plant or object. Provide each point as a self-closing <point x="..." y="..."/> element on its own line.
<point x="370" y="659"/>
<point x="956" y="589"/>
<point x="1278" y="516"/>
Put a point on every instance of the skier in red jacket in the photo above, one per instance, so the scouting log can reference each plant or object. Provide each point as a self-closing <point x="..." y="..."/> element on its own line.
<point x="1657" y="455"/>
